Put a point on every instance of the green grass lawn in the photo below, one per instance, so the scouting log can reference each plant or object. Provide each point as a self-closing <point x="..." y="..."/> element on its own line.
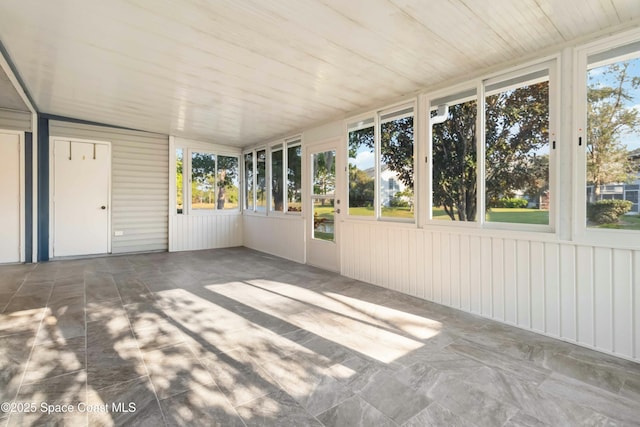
<point x="386" y="212"/>
<point x="509" y="215"/>
<point x="626" y="222"/>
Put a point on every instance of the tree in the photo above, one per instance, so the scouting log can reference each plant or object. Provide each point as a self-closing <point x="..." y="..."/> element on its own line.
<point x="179" y="181"/>
<point x="277" y="186"/>
<point x="396" y="148"/>
<point x="361" y="188"/>
<point x="227" y="176"/>
<point x="608" y="120"/>
<point x="203" y="167"/>
<point x="324" y="173"/>
<point x="396" y="152"/>
<point x="516" y="123"/>
<point x="517" y="126"/>
<point x="294" y="177"/>
<point x="538" y="182"/>
<point x="454" y="162"/>
<point x="205" y="180"/>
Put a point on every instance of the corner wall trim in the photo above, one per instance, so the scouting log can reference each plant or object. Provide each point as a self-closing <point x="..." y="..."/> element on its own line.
<point x="43" y="189"/>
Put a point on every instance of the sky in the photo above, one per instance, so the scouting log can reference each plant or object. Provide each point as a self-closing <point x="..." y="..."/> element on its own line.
<point x="597" y="77"/>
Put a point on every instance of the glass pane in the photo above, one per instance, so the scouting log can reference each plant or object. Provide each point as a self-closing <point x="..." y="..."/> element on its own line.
<point x="227" y="182"/>
<point x="396" y="168"/>
<point x="294" y="178"/>
<point x="454" y="164"/>
<point x="179" y="182"/>
<point x="248" y="181"/>
<point x="323" y="219"/>
<point x="203" y="169"/>
<point x="324" y="172"/>
<point x="362" y="171"/>
<point x="277" y="180"/>
<point x="613" y="145"/>
<point x="261" y="181"/>
<point x="517" y="154"/>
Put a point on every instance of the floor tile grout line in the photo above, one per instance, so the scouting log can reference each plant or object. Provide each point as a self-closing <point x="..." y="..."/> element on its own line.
<point x="33" y="345"/>
<point x="140" y="354"/>
<point x="199" y="359"/>
<point x="86" y="343"/>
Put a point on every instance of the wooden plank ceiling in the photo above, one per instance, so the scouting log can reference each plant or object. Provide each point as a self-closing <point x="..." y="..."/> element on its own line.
<point x="238" y="72"/>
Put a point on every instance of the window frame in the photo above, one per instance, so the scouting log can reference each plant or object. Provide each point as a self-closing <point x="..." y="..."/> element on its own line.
<point x="283" y="145"/>
<point x="286" y="145"/>
<point x="582" y="233"/>
<point x="188" y="147"/>
<point x="376" y="115"/>
<point x="550" y="63"/>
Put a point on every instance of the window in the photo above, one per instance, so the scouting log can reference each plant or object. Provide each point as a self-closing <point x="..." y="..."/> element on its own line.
<point x="206" y="181"/>
<point x="261" y="181"/>
<point x="227" y="177"/>
<point x="277" y="178"/>
<point x="278" y="187"/>
<point x="454" y="158"/>
<point x="362" y="162"/>
<point x="248" y="182"/>
<point x="504" y="174"/>
<point x="381" y="165"/>
<point x="612" y="145"/>
<point x="323" y="166"/>
<point x="516" y="178"/>
<point x="396" y="164"/>
<point x="203" y="172"/>
<point x="294" y="176"/>
<point x="179" y="180"/>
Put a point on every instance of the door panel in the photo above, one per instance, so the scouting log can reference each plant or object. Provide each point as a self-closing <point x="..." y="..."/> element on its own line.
<point x="9" y="198"/>
<point x="81" y="198"/>
<point x="322" y="227"/>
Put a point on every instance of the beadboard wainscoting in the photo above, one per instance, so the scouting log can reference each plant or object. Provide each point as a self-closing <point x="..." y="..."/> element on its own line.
<point x="193" y="232"/>
<point x="588" y="295"/>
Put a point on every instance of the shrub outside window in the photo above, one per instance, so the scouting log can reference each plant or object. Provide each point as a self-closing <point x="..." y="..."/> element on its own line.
<point x="612" y="149"/>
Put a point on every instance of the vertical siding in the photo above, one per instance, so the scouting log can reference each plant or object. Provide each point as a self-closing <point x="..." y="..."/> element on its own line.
<point x="195" y="232"/>
<point x="584" y="297"/>
<point x="510" y="282"/>
<point x="139" y="184"/>
<point x="622" y="302"/>
<point x="15" y="120"/>
<point x="567" y="304"/>
<point x="552" y="289"/>
<point x="602" y="282"/>
<point x="583" y="294"/>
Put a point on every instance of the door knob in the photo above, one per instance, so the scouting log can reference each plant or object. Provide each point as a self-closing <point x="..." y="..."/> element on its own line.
<point x="103" y="207"/>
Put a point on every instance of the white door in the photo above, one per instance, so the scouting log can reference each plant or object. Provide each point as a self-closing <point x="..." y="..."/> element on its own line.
<point x="81" y="198"/>
<point x="9" y="197"/>
<point x="322" y="227"/>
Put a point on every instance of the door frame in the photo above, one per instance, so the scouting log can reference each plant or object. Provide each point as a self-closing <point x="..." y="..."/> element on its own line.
<point x="21" y="191"/>
<point x="319" y="146"/>
<point x="52" y="177"/>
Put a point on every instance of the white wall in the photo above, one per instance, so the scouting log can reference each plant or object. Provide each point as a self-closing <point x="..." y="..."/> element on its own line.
<point x="139" y="182"/>
<point x="15" y="120"/>
<point x="195" y="231"/>
<point x="282" y="236"/>
<point x="589" y="295"/>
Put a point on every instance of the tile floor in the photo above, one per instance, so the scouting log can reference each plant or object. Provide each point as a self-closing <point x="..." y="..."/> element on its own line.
<point x="234" y="337"/>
